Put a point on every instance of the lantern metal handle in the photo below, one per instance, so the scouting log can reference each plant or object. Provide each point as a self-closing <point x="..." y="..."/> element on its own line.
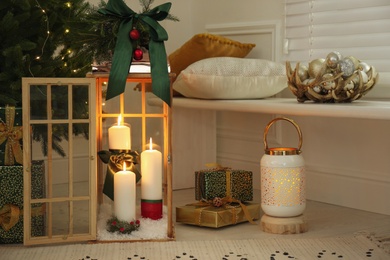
<point x="288" y="120"/>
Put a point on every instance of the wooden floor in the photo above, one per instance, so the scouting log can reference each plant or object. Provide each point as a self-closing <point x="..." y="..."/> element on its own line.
<point x="324" y="220"/>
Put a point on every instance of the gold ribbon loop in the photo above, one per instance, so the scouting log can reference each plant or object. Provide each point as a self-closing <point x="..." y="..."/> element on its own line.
<point x="9" y="216"/>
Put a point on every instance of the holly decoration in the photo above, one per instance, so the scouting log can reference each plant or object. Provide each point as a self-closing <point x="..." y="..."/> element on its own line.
<point x="114" y="225"/>
<point x="138" y="54"/>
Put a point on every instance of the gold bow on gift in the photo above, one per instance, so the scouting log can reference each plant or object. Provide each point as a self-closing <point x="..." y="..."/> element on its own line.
<point x="9" y="216"/>
<point x="11" y="135"/>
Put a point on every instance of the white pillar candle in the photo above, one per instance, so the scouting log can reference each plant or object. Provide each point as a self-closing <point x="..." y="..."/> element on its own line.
<point x="119" y="136"/>
<point x="151" y="170"/>
<point x="124" y="195"/>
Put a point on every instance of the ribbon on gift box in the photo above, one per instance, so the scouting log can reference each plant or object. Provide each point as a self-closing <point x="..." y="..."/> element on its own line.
<point x="123" y="51"/>
<point x="9" y="215"/>
<point x="11" y="135"/>
<point x="115" y="160"/>
<point x="226" y="204"/>
<point x="228" y="170"/>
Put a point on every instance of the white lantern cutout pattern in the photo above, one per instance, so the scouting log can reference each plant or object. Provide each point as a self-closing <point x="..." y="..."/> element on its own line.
<point x="283" y="192"/>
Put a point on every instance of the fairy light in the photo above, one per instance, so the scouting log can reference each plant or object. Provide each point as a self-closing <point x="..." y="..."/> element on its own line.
<point x="67" y="30"/>
<point x="38" y="57"/>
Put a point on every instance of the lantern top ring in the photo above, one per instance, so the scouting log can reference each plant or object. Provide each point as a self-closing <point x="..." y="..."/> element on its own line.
<point x="282" y="150"/>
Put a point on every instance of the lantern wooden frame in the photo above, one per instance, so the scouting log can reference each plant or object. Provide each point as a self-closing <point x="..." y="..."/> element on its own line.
<point x="144" y="80"/>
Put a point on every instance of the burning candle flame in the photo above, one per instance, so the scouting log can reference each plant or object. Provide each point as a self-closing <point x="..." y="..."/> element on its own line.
<point x="124" y="166"/>
<point x="150" y="144"/>
<point x="119" y="119"/>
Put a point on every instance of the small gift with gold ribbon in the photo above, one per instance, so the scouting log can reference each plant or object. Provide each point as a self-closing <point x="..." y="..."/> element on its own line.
<point x="11" y="136"/>
<point x="207" y="214"/>
<point x="223" y="182"/>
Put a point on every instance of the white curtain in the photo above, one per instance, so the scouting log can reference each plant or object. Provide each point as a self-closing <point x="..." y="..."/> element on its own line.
<point x="359" y="28"/>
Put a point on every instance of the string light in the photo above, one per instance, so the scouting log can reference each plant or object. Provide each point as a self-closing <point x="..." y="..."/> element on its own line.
<point x="47" y="37"/>
<point x="67" y="30"/>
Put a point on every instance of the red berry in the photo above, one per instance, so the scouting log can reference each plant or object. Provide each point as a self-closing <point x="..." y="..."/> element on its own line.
<point x="138" y="54"/>
<point x="134" y="34"/>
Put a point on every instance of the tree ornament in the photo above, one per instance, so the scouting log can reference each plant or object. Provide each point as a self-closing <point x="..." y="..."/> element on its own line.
<point x="134" y="34"/>
<point x="138" y="54"/>
<point x="315" y="67"/>
<point x="302" y="72"/>
<point x="347" y="67"/>
<point x="332" y="59"/>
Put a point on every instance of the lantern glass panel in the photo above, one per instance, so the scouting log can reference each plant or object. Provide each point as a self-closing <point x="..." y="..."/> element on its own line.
<point x="60" y="218"/>
<point x="81" y="220"/>
<point x="132" y="99"/>
<point x="59" y="102"/>
<point x="80" y="105"/>
<point x="38" y="99"/>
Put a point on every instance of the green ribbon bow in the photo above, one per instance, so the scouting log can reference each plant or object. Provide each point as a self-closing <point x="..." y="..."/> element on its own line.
<point x="123" y="51"/>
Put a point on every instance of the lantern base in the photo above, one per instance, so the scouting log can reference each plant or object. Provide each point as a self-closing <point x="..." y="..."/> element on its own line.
<point x="293" y="225"/>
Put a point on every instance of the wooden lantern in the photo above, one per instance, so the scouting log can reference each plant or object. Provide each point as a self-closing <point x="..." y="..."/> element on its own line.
<point x="140" y="118"/>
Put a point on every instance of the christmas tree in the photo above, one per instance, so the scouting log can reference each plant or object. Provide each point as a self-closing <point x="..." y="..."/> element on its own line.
<point x="37" y="40"/>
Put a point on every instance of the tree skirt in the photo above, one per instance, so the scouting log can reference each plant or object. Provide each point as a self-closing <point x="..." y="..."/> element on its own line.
<point x="351" y="247"/>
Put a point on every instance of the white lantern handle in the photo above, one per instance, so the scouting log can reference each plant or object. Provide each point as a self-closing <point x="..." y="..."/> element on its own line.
<point x="288" y="120"/>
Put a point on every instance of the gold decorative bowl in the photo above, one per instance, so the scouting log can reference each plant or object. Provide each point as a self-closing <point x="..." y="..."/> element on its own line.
<point x="331" y="80"/>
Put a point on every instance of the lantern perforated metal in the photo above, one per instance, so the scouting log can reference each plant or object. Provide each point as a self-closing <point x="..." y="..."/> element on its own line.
<point x="283" y="177"/>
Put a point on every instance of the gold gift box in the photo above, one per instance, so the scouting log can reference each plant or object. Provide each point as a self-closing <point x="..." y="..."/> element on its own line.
<point x="214" y="217"/>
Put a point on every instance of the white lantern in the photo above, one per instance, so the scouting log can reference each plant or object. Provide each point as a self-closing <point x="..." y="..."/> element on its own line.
<point x="283" y="178"/>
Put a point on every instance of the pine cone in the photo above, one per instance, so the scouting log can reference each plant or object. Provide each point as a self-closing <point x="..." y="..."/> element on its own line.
<point x="217" y="202"/>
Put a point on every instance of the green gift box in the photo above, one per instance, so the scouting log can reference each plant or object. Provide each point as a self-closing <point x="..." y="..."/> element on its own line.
<point x="223" y="182"/>
<point x="216" y="217"/>
<point x="11" y="202"/>
<point x="11" y="136"/>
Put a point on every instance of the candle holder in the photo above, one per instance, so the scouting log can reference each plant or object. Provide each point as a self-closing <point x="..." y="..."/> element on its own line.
<point x="115" y="160"/>
<point x="283" y="183"/>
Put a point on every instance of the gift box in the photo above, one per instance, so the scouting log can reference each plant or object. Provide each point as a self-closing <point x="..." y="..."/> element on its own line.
<point x="223" y="182"/>
<point x="11" y="202"/>
<point x="11" y="136"/>
<point x="216" y="217"/>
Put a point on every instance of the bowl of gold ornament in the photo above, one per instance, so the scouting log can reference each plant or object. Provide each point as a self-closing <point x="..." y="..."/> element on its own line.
<point x="335" y="79"/>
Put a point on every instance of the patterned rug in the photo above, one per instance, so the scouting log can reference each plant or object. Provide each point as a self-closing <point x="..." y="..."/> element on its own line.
<point x="353" y="248"/>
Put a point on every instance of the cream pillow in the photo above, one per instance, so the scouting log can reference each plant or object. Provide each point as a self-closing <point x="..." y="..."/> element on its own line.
<point x="231" y="78"/>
